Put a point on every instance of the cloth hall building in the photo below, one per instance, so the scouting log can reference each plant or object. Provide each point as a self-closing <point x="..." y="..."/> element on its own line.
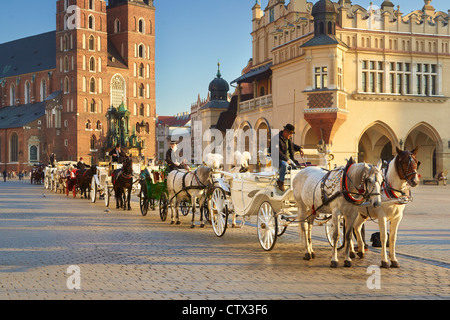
<point x="82" y="88"/>
<point x="354" y="81"/>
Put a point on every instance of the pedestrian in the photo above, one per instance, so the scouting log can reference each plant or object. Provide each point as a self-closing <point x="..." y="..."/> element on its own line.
<point x="5" y="174"/>
<point x="442" y="177"/>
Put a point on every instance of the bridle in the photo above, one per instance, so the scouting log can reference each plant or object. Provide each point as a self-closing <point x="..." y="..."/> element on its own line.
<point x="410" y="171"/>
<point x="363" y="188"/>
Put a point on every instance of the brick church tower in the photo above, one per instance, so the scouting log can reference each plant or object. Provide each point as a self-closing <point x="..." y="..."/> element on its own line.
<point x="104" y="58"/>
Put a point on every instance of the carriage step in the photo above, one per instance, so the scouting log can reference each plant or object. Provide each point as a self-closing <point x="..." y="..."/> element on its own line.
<point x="289" y="217"/>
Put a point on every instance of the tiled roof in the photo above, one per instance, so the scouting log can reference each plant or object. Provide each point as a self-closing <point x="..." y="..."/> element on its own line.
<point x="17" y="117"/>
<point x="27" y="55"/>
<point x="173" y="121"/>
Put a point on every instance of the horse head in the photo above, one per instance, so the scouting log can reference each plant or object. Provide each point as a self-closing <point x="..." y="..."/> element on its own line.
<point x="407" y="165"/>
<point x="373" y="182"/>
<point x="204" y="175"/>
<point x="127" y="165"/>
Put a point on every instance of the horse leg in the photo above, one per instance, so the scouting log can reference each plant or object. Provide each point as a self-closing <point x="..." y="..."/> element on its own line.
<point x="177" y="203"/>
<point x="194" y="201"/>
<point x="172" y="220"/>
<point x="201" y="204"/>
<point x="334" y="259"/>
<point x="392" y="240"/>
<point x="129" y="198"/>
<point x="303" y="229"/>
<point x="383" y="236"/>
<point x="349" y="223"/>
<point x="359" y="222"/>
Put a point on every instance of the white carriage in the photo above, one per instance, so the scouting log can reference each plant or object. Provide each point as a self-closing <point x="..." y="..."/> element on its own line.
<point x="245" y="195"/>
<point x="52" y="179"/>
<point x="102" y="181"/>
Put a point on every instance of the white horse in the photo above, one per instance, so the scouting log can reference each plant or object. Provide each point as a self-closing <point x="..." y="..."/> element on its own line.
<point x="338" y="192"/>
<point x="190" y="185"/>
<point x="400" y="176"/>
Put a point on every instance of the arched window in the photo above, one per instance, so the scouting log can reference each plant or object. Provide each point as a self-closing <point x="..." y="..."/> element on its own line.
<point x="66" y="85"/>
<point x="93" y="107"/>
<point x="66" y="64"/>
<point x="118" y="93"/>
<point x="27" y="92"/>
<point x="91" y="43"/>
<point x="88" y="125"/>
<point x="141" y="70"/>
<point x="98" y="126"/>
<point x="141" y="51"/>
<point x="147" y="127"/>
<point x="66" y="42"/>
<point x="43" y="89"/>
<point x="14" y="148"/>
<point x="141" y="90"/>
<point x="12" y="95"/>
<point x="138" y="127"/>
<point x="91" y="22"/>
<point x="92" y="85"/>
<point x="92" y="64"/>
<point x="141" y="110"/>
<point x="117" y="26"/>
<point x="141" y="25"/>
<point x="33" y="153"/>
<point x="91" y="4"/>
<point x="93" y="143"/>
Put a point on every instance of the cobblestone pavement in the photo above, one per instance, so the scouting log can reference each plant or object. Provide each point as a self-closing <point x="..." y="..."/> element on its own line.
<point x="123" y="255"/>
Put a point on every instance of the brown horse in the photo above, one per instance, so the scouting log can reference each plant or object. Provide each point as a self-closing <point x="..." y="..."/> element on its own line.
<point x="84" y="178"/>
<point x="123" y="183"/>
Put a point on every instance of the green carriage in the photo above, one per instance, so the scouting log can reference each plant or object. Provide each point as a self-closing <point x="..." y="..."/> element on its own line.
<point x="154" y="191"/>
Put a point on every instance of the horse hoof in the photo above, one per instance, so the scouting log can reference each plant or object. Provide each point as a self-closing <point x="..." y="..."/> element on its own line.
<point x="307" y="256"/>
<point x="172" y="222"/>
<point x="233" y="225"/>
<point x="129" y="208"/>
<point x="360" y="254"/>
<point x="347" y="264"/>
<point x="192" y="226"/>
<point x="352" y="255"/>
<point x="384" y="264"/>
<point x="394" y="264"/>
<point x="202" y="225"/>
<point x="313" y="255"/>
<point x="178" y="222"/>
<point x="333" y="264"/>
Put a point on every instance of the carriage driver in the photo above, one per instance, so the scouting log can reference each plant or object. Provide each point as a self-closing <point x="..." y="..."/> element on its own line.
<point x="81" y="165"/>
<point x="171" y="158"/>
<point x="116" y="153"/>
<point x="287" y="149"/>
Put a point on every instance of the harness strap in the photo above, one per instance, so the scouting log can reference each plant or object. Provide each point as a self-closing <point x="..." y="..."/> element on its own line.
<point x="344" y="187"/>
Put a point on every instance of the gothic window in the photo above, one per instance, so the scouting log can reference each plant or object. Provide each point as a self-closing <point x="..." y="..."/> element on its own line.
<point x="141" y="52"/>
<point x="66" y="85"/>
<point x="88" y="125"/>
<point x="12" y="95"/>
<point x="141" y="26"/>
<point x="93" y="143"/>
<point x="33" y="154"/>
<point x="138" y="127"/>
<point x="117" y="90"/>
<point x="14" y="147"/>
<point x="93" y="106"/>
<point x="98" y="126"/>
<point x="27" y="92"/>
<point x="66" y="43"/>
<point x="117" y="26"/>
<point x="92" y="64"/>
<point x="91" y="4"/>
<point x="91" y="22"/>
<point x="141" y="110"/>
<point x="141" y="90"/>
<point x="91" y="43"/>
<point x="141" y="70"/>
<point x="92" y="85"/>
<point x="66" y="64"/>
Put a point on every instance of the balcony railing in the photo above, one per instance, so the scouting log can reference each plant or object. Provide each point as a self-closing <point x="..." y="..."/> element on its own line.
<point x="260" y="102"/>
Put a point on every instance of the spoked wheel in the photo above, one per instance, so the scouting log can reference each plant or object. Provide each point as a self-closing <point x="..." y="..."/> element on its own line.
<point x="280" y="227"/>
<point x="163" y="206"/>
<point x="329" y="233"/>
<point x="143" y="201"/>
<point x="219" y="212"/>
<point x="267" y="226"/>
<point x="93" y="190"/>
<point x="107" y="194"/>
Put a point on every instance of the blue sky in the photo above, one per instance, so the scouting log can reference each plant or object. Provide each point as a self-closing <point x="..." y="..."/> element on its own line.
<point x="191" y="37"/>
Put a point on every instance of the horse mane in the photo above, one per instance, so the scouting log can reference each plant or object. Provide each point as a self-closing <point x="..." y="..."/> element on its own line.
<point x="356" y="173"/>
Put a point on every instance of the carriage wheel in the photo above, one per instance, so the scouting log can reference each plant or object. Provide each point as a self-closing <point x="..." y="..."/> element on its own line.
<point x="93" y="190"/>
<point x="143" y="201"/>
<point x="329" y="233"/>
<point x="281" y="228"/>
<point x="184" y="207"/>
<point x="219" y="212"/>
<point x="163" y="206"/>
<point x="107" y="193"/>
<point x="267" y="226"/>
